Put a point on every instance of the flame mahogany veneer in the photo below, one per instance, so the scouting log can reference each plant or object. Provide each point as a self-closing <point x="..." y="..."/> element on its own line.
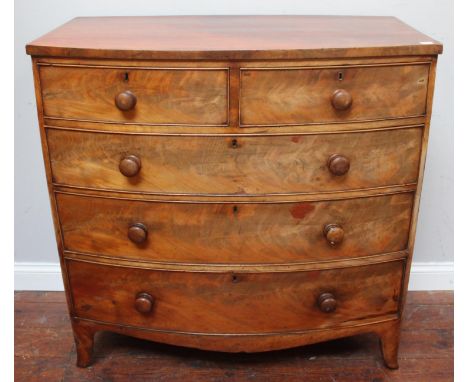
<point x="235" y="183"/>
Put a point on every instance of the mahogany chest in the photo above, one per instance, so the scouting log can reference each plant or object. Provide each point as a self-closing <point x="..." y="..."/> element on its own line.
<point x="239" y="184"/>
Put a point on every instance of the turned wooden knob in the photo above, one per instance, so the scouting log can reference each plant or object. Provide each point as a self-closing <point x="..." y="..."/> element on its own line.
<point x="341" y="99"/>
<point x="130" y="165"/>
<point x="327" y="302"/>
<point x="126" y="100"/>
<point x="334" y="234"/>
<point x="338" y="164"/>
<point x="137" y="233"/>
<point x="144" y="302"/>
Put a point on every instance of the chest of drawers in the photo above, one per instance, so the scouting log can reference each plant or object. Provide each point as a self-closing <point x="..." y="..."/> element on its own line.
<point x="238" y="184"/>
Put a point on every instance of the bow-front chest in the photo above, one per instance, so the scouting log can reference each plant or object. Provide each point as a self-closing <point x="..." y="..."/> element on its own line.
<point x="238" y="184"/>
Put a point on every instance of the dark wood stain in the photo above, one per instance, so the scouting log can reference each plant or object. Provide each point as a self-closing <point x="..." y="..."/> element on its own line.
<point x="301" y="210"/>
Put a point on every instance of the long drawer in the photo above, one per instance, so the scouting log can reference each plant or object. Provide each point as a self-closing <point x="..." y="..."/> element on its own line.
<point x="322" y="95"/>
<point x="136" y="95"/>
<point x="235" y="233"/>
<point x="240" y="165"/>
<point x="234" y="303"/>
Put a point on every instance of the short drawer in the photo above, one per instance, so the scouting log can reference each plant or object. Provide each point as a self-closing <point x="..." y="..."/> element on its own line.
<point x="235" y="233"/>
<point x="198" y="302"/>
<point x="244" y="165"/>
<point x="307" y="95"/>
<point x="132" y="95"/>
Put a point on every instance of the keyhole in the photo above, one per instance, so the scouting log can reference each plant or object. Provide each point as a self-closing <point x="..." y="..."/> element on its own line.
<point x="234" y="144"/>
<point x="234" y="279"/>
<point x="235" y="209"/>
<point x="126" y="77"/>
<point x="340" y="76"/>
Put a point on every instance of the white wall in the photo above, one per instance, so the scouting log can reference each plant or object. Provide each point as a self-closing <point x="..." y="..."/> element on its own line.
<point x="34" y="237"/>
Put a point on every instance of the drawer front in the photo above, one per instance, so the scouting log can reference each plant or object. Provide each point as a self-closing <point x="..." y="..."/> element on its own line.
<point x="235" y="233"/>
<point x="302" y="96"/>
<point x="163" y="96"/>
<point x="228" y="303"/>
<point x="235" y="166"/>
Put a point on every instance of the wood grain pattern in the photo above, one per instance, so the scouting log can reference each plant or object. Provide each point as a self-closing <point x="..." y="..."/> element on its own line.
<point x="233" y="37"/>
<point x="175" y="223"/>
<point x="257" y="165"/>
<point x="233" y="303"/>
<point x="44" y="350"/>
<point x="163" y="96"/>
<point x="235" y="233"/>
<point x="301" y="96"/>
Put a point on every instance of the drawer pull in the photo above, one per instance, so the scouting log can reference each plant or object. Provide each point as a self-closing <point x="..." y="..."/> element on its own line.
<point x="137" y="233"/>
<point x="327" y="302"/>
<point x="341" y="99"/>
<point x="126" y="100"/>
<point x="338" y="164"/>
<point x="334" y="234"/>
<point x="144" y="303"/>
<point x="130" y="165"/>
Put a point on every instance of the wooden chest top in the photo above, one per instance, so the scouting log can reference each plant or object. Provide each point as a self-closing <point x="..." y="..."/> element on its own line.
<point x="233" y="37"/>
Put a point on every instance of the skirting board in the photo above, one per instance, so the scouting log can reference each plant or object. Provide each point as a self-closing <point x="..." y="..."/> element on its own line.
<point x="47" y="277"/>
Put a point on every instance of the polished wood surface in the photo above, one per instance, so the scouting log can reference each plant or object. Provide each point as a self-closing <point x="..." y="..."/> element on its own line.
<point x="334" y="233"/>
<point x="144" y="303"/>
<point x="44" y="351"/>
<point x="130" y="165"/>
<point x="301" y="96"/>
<point x="227" y="303"/>
<point x="240" y="184"/>
<point x="327" y="302"/>
<point x="137" y="233"/>
<point x="236" y="233"/>
<point x="233" y="37"/>
<point x="126" y="100"/>
<point x="338" y="164"/>
<point x="341" y="99"/>
<point x="256" y="165"/>
<point x="161" y="96"/>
